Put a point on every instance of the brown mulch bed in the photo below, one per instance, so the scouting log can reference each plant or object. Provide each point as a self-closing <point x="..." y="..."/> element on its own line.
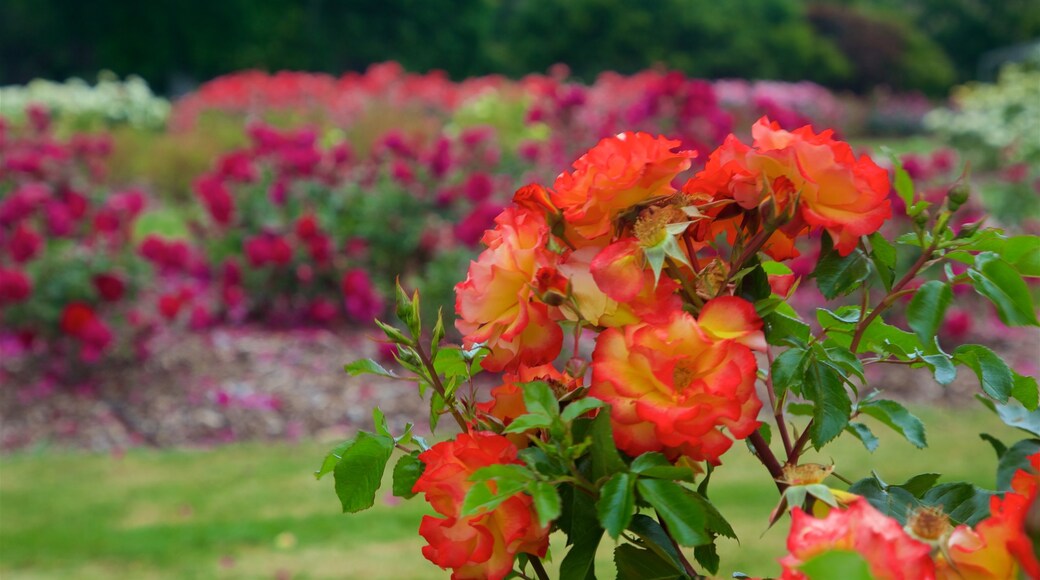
<point x="256" y="384"/>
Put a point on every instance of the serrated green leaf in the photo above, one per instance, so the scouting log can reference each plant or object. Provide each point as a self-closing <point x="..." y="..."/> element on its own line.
<point x="927" y="309"/>
<point x="1023" y="253"/>
<point x="539" y="398"/>
<point x="902" y="183"/>
<point x="837" y="275"/>
<point x="406" y="473"/>
<point x="994" y="375"/>
<point x="780" y="329"/>
<point x="831" y="404"/>
<point x="682" y="514"/>
<point x="634" y="563"/>
<point x="655" y="538"/>
<point x="578" y="408"/>
<point x="898" y="418"/>
<point x="883" y="253"/>
<point x="546" y="502"/>
<point x="942" y="367"/>
<point x="481" y="498"/>
<point x="528" y="422"/>
<point x="963" y="502"/>
<point x="379" y="420"/>
<point x="333" y="457"/>
<point x="1025" y="390"/>
<point x="617" y="503"/>
<point x="359" y="472"/>
<point x="369" y="367"/>
<point x="864" y="434"/>
<point x="583" y="535"/>
<point x="788" y="370"/>
<point x="1014" y="415"/>
<point x="998" y="446"/>
<point x="1015" y="458"/>
<point x="605" y="457"/>
<point x="1001" y="284"/>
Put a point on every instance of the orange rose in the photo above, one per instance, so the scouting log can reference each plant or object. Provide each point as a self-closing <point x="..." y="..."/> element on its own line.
<point x="998" y="547"/>
<point x="483" y="545"/>
<point x="614" y="175"/>
<point x="888" y="550"/>
<point x="673" y="386"/>
<point x="496" y="304"/>
<point x="835" y="191"/>
<point x="507" y="401"/>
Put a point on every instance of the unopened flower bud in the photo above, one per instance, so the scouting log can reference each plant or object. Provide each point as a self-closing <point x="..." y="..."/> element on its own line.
<point x="957" y="195"/>
<point x="921" y="219"/>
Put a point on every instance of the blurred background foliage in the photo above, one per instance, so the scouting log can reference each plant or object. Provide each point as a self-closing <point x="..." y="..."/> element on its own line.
<point x="925" y="45"/>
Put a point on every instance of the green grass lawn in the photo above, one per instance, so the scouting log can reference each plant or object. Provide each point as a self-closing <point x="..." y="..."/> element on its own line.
<point x="255" y="511"/>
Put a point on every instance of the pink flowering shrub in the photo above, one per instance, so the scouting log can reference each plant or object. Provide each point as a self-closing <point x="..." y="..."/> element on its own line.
<point x="67" y="273"/>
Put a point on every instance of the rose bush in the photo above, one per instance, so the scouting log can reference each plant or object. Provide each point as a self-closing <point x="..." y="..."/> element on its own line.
<point x="641" y="326"/>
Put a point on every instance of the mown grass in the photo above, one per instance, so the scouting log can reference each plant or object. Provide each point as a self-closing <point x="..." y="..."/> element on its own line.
<point x="254" y="510"/>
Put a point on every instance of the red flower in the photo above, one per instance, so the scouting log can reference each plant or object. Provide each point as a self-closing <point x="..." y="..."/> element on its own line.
<point x="25" y="243"/>
<point x="307" y="226"/>
<point x="483" y="545"/>
<point x="109" y="286"/>
<point x="673" y="386"/>
<point x="15" y="286"/>
<point x="170" y="305"/>
<point x="75" y="318"/>
<point x="887" y="549"/>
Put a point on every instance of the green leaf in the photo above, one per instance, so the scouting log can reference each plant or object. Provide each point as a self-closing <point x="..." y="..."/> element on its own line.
<point x="584" y="535"/>
<point x="884" y="256"/>
<point x="546" y="502"/>
<point x="528" y="422"/>
<point x="481" y="498"/>
<point x="835" y="564"/>
<point x="379" y="420"/>
<point x="994" y="375"/>
<point x="450" y="362"/>
<point x="438" y="334"/>
<point x="902" y="183"/>
<point x="942" y="367"/>
<point x="1015" y="415"/>
<point x="406" y="473"/>
<point x="898" y="418"/>
<point x="1015" y="458"/>
<point x="1023" y="253"/>
<point x="395" y="335"/>
<point x="788" y="370"/>
<point x="708" y="557"/>
<point x="864" y="434"/>
<point x="928" y="308"/>
<point x="635" y="563"/>
<point x="578" y="408"/>
<point x="359" y="472"/>
<point x="681" y="513"/>
<point x="605" y="457"/>
<point x="919" y="484"/>
<point x="1025" y="390"/>
<point x="997" y="444"/>
<point x="330" y="461"/>
<point x="836" y="275"/>
<point x="657" y="466"/>
<point x="831" y="404"/>
<point x="617" y="503"/>
<point x="540" y="399"/>
<point x="1001" y="284"/>
<point x="780" y="329"/>
<point x="367" y="366"/>
<point x="655" y="538"/>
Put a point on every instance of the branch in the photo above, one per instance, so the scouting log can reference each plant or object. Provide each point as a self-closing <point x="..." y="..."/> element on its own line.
<point x="435" y="381"/>
<point x="896" y="292"/>
<point x="768" y="459"/>
<point x="690" y="570"/>
<point x="539" y="569"/>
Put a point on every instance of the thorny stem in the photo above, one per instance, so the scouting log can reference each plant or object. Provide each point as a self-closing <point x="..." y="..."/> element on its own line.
<point x="690" y="570"/>
<point x="690" y="292"/>
<point x="435" y="381"/>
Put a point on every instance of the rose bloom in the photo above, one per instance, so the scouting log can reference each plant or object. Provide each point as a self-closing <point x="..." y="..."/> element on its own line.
<point x="890" y="553"/>
<point x="844" y="195"/>
<point x="998" y="547"/>
<point x="673" y="386"/>
<point x="614" y="175"/>
<point x="483" y="545"/>
<point x="507" y="399"/>
<point x="496" y="304"/>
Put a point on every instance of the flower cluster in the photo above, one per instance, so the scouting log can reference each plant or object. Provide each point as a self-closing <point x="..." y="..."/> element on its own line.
<point x="66" y="270"/>
<point x="928" y="546"/>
